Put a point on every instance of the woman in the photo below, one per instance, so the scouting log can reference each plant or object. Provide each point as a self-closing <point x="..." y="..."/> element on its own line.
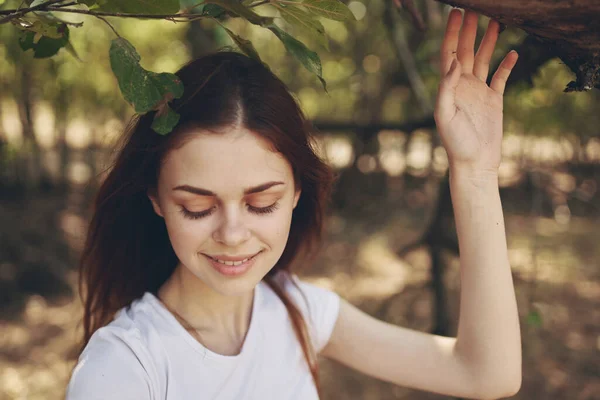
<point x="194" y="234"/>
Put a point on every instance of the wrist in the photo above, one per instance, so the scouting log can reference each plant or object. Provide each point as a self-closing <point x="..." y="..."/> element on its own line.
<point x="473" y="175"/>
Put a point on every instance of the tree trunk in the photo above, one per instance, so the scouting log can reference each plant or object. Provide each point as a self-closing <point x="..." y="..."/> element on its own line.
<point x="569" y="28"/>
<point x="32" y="168"/>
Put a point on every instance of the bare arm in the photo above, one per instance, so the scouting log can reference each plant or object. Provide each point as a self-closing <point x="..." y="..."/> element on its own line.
<point x="484" y="360"/>
<point x="488" y="339"/>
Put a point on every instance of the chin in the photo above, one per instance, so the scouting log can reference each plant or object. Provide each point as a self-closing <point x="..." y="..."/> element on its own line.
<point x="235" y="285"/>
<point x="231" y="287"/>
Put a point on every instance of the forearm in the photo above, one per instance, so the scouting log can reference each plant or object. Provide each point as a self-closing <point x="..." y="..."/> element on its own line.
<point x="488" y="339"/>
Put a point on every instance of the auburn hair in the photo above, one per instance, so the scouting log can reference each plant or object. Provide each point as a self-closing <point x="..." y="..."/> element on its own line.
<point x="127" y="251"/>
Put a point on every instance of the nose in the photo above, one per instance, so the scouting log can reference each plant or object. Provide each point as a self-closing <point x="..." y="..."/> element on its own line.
<point x="232" y="230"/>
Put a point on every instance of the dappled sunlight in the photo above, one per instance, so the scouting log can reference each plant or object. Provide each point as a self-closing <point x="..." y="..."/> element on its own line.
<point x="419" y="153"/>
<point x="381" y="272"/>
<point x="78" y="172"/>
<point x="79" y="134"/>
<point x="73" y="227"/>
<point x="366" y="163"/>
<point x="38" y="352"/>
<point x="11" y="125"/>
<point x="336" y="149"/>
<point x="392" y="161"/>
<point x="44" y="125"/>
<point x="592" y="150"/>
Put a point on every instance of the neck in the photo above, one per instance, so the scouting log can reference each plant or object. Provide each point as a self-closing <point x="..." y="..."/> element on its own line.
<point x="211" y="313"/>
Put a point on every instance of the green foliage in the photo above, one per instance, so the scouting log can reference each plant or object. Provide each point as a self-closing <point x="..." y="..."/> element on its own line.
<point x="165" y="121"/>
<point x="534" y="319"/>
<point x="44" y="46"/>
<point x="46" y="34"/>
<point x="330" y="9"/>
<point x="244" y="45"/>
<point x="50" y="30"/>
<point x="144" y="90"/>
<point x="309" y="59"/>
<point x="304" y="22"/>
<point x="213" y="10"/>
<point x="240" y="10"/>
<point x="156" y="7"/>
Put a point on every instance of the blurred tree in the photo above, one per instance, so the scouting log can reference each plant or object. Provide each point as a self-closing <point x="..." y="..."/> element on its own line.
<point x="379" y="75"/>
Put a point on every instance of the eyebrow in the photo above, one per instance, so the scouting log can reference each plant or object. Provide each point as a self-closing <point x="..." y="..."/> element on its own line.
<point x="204" y="192"/>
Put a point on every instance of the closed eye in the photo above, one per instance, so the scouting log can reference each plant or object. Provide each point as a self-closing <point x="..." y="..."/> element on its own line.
<point x="196" y="214"/>
<point x="201" y="214"/>
<point x="263" y="210"/>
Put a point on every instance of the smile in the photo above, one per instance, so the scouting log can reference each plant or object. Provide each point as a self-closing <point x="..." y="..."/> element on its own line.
<point x="232" y="266"/>
<point x="232" y="260"/>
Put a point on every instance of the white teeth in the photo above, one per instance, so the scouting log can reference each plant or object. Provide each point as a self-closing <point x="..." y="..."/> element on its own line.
<point x="231" y="262"/>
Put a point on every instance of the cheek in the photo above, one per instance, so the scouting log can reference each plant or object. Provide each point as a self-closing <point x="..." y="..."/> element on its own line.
<point x="276" y="229"/>
<point x="186" y="234"/>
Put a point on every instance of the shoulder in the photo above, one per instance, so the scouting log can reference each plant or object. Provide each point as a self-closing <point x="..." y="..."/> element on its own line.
<point x="115" y="364"/>
<point x="319" y="306"/>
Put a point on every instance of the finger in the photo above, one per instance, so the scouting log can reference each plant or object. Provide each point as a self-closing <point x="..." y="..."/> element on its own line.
<point x="445" y="107"/>
<point x="466" y="41"/>
<point x="502" y="73"/>
<point x="481" y="67"/>
<point x="450" y="42"/>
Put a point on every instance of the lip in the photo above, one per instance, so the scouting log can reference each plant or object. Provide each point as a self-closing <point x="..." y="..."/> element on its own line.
<point x="232" y="270"/>
<point x="232" y="258"/>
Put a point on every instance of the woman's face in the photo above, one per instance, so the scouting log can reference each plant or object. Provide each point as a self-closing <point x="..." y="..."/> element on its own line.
<point x="226" y="198"/>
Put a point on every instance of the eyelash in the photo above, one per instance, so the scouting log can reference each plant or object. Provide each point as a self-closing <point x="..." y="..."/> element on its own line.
<point x="256" y="210"/>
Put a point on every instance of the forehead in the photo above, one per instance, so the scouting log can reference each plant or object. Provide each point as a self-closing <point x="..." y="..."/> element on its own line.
<point x="232" y="158"/>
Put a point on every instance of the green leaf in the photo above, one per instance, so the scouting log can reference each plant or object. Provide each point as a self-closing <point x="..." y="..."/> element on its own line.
<point x="88" y="3"/>
<point x="51" y="30"/>
<point x="46" y="16"/>
<point x="139" y="6"/>
<point x="186" y="5"/>
<point x="304" y="22"/>
<point x="69" y="47"/>
<point x="309" y="59"/>
<point x="144" y="90"/>
<point x="330" y="9"/>
<point x="244" y="45"/>
<point x="236" y="8"/>
<point x="534" y="318"/>
<point x="213" y="10"/>
<point x="45" y="46"/>
<point x="165" y="121"/>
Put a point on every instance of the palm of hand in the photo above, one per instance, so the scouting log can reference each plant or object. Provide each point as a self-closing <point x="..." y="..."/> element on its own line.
<point x="469" y="112"/>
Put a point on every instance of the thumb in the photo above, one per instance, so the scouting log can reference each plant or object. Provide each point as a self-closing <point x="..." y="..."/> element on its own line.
<point x="445" y="107"/>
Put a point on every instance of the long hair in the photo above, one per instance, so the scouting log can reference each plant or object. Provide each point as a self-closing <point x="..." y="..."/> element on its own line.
<point x="127" y="251"/>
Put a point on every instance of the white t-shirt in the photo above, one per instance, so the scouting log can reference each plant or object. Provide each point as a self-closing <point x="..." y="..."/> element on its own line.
<point x="145" y="354"/>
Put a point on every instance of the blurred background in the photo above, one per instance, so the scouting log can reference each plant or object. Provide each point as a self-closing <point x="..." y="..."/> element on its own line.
<point x="390" y="246"/>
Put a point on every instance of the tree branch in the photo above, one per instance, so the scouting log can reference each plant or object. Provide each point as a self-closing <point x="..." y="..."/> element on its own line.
<point x="398" y="39"/>
<point x="49" y="6"/>
<point x="413" y="11"/>
<point x="109" y="25"/>
<point x="124" y="15"/>
<point x="16" y="13"/>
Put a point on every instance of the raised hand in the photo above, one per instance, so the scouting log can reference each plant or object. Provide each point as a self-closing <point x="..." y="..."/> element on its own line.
<point x="468" y="112"/>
